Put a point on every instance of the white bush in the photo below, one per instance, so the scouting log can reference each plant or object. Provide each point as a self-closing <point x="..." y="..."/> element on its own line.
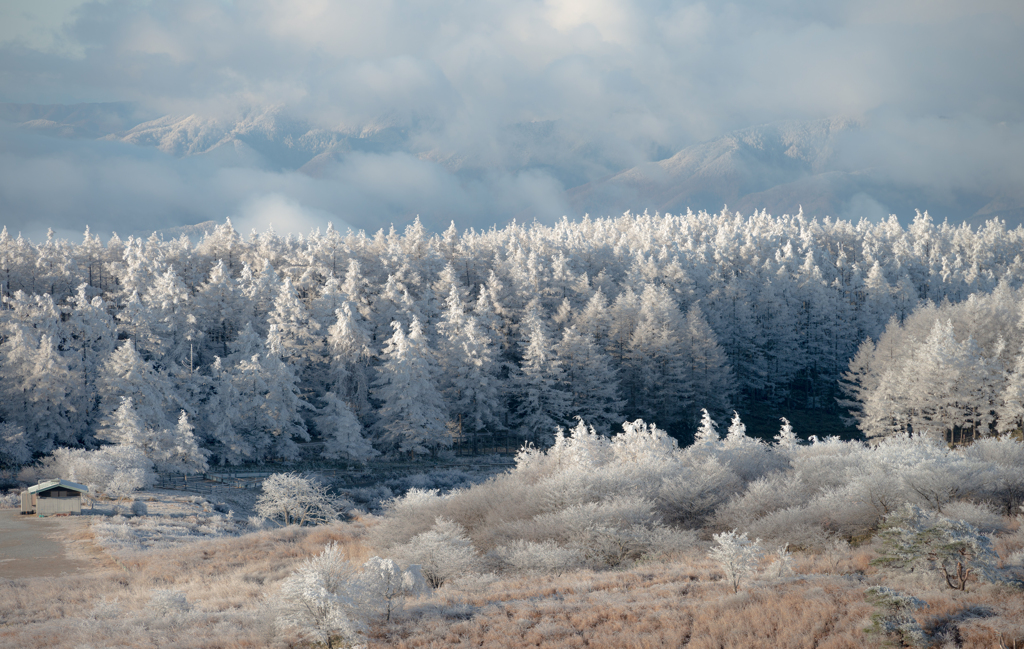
<point x="737" y="556"/>
<point x="385" y="585"/>
<point x="543" y="557"/>
<point x="291" y="498"/>
<point x="443" y="552"/>
<point x="321" y="600"/>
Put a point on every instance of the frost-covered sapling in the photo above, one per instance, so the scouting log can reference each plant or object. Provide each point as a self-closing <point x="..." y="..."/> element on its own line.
<point x="385" y="585"/>
<point x="781" y="562"/>
<point x="957" y="549"/>
<point x="737" y="555"/>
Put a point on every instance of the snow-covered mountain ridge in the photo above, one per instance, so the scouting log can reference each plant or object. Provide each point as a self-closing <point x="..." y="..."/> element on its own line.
<point x="817" y="165"/>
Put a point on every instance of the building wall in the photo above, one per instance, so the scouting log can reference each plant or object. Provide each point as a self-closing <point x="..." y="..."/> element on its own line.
<point x="48" y="506"/>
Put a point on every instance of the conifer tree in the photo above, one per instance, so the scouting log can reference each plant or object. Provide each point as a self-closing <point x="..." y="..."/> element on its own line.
<point x="412" y="414"/>
<point x="542" y="403"/>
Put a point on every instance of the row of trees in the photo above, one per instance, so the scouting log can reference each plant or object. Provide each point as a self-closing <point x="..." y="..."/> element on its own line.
<point x="952" y="371"/>
<point x="404" y="341"/>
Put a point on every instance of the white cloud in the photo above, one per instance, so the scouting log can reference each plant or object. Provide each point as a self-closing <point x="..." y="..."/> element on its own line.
<point x="625" y="81"/>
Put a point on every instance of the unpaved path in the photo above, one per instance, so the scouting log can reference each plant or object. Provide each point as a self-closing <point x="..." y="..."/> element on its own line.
<point x="38" y="547"/>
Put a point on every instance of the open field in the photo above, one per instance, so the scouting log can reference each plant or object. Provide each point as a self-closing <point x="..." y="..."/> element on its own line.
<point x="230" y="585"/>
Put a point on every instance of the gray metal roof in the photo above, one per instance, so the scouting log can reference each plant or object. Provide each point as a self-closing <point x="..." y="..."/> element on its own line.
<point x="64" y="484"/>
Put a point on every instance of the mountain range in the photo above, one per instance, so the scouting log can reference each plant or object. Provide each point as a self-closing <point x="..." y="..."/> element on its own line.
<point x="781" y="167"/>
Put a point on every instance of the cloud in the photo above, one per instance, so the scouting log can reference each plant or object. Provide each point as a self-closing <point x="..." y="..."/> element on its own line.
<point x="474" y="85"/>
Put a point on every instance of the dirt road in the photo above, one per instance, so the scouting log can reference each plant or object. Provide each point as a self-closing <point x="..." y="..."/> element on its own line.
<point x="32" y="547"/>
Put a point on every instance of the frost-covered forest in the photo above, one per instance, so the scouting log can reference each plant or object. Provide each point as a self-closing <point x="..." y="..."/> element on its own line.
<point x="407" y="342"/>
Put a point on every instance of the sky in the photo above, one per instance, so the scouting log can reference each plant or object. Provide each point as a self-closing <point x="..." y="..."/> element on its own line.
<point x="501" y="106"/>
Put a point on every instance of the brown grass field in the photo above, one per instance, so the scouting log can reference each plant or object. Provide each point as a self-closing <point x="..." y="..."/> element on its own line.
<point x="230" y="584"/>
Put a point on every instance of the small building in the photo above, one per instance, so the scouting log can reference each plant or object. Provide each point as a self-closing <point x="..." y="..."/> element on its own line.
<point x="53" y="497"/>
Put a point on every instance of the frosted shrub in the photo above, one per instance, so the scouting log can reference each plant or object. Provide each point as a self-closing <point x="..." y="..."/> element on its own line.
<point x="139" y="508"/>
<point x="737" y="555"/>
<point x="291" y="498"/>
<point x="606" y="533"/>
<point x="10" y="500"/>
<point x="693" y="494"/>
<point x="321" y="600"/>
<point x="443" y="552"/>
<point x="385" y="585"/>
<point x="749" y="458"/>
<point x="407" y="516"/>
<point x="1005" y="457"/>
<point x="763" y="496"/>
<point x="545" y="557"/>
<point x="895" y="619"/>
<point x="980" y="515"/>
<point x="912" y="538"/>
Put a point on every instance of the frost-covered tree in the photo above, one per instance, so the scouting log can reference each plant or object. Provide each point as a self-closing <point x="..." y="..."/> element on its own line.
<point x="386" y="585"/>
<point x="292" y="498"/>
<point x="341" y="431"/>
<point x="37" y="384"/>
<point x="267" y="397"/>
<point x="468" y="378"/>
<point x="590" y="380"/>
<point x="348" y="343"/>
<point x="412" y="415"/>
<point x="537" y="386"/>
<point x="14" y="449"/>
<point x="170" y="450"/>
<point x="737" y="555"/>
<point x="125" y="374"/>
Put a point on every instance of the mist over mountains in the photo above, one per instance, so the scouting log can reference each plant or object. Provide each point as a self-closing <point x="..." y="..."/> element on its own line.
<point x="528" y="171"/>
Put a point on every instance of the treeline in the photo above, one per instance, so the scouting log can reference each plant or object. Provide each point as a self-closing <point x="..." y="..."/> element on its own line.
<point x="409" y="340"/>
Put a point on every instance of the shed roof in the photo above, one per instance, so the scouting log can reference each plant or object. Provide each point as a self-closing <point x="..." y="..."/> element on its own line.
<point x="64" y="484"/>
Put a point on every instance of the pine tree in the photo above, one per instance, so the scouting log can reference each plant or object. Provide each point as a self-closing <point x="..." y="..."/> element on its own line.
<point x="468" y="372"/>
<point x="126" y="375"/>
<point x="711" y="379"/>
<point x="542" y="404"/>
<point x="590" y="380"/>
<point x="341" y="431"/>
<point x="412" y="414"/>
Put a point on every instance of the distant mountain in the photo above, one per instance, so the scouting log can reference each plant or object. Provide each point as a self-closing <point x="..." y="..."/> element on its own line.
<point x="780" y="167"/>
<point x="76" y="120"/>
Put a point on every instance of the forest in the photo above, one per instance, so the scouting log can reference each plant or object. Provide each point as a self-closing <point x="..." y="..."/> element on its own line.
<point x="621" y="357"/>
<point x="234" y="350"/>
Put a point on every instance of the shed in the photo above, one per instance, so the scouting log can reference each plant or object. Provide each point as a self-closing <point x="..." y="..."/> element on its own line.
<point x="53" y="497"/>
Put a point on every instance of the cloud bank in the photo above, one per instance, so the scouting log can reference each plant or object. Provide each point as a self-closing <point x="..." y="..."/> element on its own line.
<point x="501" y="106"/>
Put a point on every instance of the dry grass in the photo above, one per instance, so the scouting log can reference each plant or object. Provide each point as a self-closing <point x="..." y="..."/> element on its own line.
<point x="228" y="582"/>
<point x="231" y="583"/>
<point x="664" y="605"/>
